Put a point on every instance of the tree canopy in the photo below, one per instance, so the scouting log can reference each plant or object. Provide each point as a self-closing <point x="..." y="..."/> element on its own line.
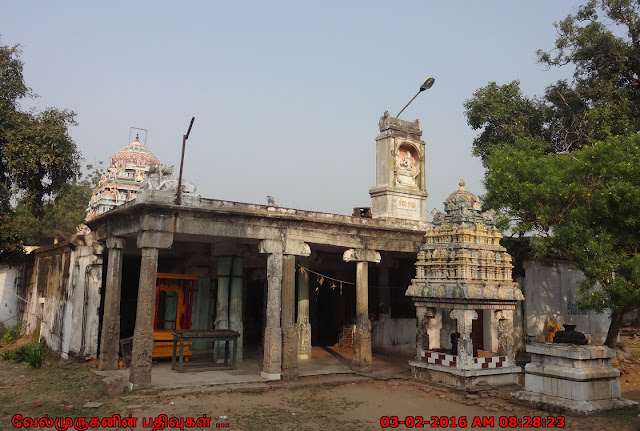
<point x="565" y="167"/>
<point x="38" y="158"/>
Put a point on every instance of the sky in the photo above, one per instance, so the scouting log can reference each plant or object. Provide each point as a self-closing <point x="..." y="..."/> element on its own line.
<point x="286" y="95"/>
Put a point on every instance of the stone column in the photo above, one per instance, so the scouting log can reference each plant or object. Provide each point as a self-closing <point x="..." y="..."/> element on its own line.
<point x="304" y="327"/>
<point x="464" y="319"/>
<point x="111" y="317"/>
<point x="290" y="333"/>
<point x="383" y="327"/>
<point x="272" y="363"/>
<point x="421" y="332"/>
<point x="235" y="302"/>
<point x="222" y="303"/>
<point x="446" y="330"/>
<point x="149" y="242"/>
<point x="362" y="359"/>
<point x="505" y="334"/>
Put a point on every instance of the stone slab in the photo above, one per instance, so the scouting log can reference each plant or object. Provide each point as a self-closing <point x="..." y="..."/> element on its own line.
<point x="464" y="378"/>
<point x="564" y="406"/>
<point x="93" y="405"/>
<point x="571" y="373"/>
<point x="571" y="351"/>
<point x="573" y="390"/>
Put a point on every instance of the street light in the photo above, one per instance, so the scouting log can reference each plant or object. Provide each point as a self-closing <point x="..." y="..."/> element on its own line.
<point x="425" y="86"/>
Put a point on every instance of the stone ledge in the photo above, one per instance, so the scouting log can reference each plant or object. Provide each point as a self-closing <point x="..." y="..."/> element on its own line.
<point x="571" y="351"/>
<point x="566" y="406"/>
<point x="570" y="373"/>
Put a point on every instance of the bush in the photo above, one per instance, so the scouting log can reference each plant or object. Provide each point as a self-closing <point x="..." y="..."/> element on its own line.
<point x="32" y="354"/>
<point x="13" y="333"/>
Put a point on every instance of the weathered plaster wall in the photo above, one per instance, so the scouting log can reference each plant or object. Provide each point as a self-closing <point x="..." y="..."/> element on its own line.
<point x="64" y="296"/>
<point x="549" y="289"/>
<point x="9" y="311"/>
<point x="394" y="334"/>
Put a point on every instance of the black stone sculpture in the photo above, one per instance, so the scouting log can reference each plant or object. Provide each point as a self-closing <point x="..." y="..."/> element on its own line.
<point x="570" y="335"/>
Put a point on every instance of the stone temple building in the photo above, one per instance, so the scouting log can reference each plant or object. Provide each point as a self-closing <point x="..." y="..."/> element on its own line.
<point x="284" y="279"/>
<point x="464" y="276"/>
<point x="126" y="172"/>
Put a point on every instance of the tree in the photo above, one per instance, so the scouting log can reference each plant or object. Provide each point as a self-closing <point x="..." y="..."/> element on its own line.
<point x="60" y="215"/>
<point x="37" y="156"/>
<point x="565" y="168"/>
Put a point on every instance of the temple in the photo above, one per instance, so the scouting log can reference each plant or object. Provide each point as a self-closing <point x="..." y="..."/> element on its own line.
<point x="127" y="170"/>
<point x="465" y="298"/>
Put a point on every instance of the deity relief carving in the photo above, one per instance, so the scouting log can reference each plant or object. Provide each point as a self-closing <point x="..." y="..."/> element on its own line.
<point x="407" y="167"/>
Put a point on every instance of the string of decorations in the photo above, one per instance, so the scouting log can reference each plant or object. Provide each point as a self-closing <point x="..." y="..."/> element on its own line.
<point x="321" y="278"/>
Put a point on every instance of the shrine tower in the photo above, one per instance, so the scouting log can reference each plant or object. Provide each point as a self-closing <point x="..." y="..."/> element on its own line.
<point x="400" y="191"/>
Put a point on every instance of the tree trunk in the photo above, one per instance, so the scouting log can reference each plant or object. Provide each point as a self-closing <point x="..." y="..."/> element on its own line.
<point x="614" y="328"/>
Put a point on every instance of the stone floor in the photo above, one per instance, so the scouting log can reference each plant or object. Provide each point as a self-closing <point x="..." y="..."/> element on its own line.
<point x="324" y="360"/>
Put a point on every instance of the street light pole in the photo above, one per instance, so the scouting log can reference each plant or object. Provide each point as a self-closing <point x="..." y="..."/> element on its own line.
<point x="184" y="143"/>
<point x="425" y="86"/>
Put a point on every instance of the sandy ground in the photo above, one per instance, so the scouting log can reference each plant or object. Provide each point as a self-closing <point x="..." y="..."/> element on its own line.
<point x="332" y="402"/>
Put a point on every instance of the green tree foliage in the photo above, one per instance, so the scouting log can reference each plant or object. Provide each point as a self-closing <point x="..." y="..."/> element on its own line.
<point x="37" y="156"/>
<point x="583" y="204"/>
<point x="566" y="167"/>
<point x="61" y="214"/>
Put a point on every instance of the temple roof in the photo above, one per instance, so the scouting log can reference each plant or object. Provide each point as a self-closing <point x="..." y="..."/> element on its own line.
<point x="135" y="153"/>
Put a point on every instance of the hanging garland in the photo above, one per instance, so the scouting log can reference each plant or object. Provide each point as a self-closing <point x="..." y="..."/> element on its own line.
<point x="321" y="278"/>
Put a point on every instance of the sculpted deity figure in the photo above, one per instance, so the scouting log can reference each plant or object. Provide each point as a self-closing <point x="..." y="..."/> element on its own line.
<point x="406" y="169"/>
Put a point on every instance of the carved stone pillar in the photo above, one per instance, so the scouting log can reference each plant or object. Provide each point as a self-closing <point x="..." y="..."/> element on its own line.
<point x="290" y="332"/>
<point x="109" y="341"/>
<point x="446" y="330"/>
<point x="505" y="334"/>
<point x="422" y="337"/>
<point x="304" y="327"/>
<point x="222" y="303"/>
<point x="149" y="242"/>
<point x="235" y="302"/>
<point x="272" y="363"/>
<point x="362" y="359"/>
<point x="464" y="320"/>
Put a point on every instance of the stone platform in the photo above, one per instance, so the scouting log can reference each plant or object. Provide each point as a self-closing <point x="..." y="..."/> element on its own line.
<point x="571" y="379"/>
<point x="444" y="369"/>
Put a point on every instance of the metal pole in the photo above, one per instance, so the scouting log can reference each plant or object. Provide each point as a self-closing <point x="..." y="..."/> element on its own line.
<point x="184" y="143"/>
<point x="405" y="106"/>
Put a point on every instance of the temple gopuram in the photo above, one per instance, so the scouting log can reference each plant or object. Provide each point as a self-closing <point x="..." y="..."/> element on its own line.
<point x="127" y="170"/>
<point x="465" y="298"/>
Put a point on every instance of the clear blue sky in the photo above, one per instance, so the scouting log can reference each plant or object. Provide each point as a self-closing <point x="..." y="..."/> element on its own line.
<point x="286" y="95"/>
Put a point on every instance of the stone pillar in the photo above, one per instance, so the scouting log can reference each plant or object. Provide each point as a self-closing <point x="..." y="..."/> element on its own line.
<point x="149" y="242"/>
<point x="383" y="327"/>
<point x="111" y="318"/>
<point x="421" y="333"/>
<point x="222" y="303"/>
<point x="464" y="320"/>
<point x="362" y="359"/>
<point x="304" y="327"/>
<point x="272" y="363"/>
<point x="446" y="330"/>
<point x="235" y="302"/>
<point x="505" y="334"/>
<point x="426" y="322"/>
<point x="290" y="334"/>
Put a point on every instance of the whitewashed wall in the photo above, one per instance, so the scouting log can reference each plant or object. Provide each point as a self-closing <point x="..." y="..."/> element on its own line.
<point x="549" y="290"/>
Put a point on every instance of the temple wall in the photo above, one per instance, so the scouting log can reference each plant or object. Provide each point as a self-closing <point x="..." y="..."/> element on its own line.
<point x="549" y="289"/>
<point x="394" y="334"/>
<point x="9" y="301"/>
<point x="64" y="296"/>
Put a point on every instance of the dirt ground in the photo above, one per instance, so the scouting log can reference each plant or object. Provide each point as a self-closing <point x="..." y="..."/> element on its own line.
<point x="345" y="402"/>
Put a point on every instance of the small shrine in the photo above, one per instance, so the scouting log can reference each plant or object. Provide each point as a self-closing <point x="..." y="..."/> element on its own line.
<point x="174" y="308"/>
<point x="121" y="183"/>
<point x="465" y="298"/>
